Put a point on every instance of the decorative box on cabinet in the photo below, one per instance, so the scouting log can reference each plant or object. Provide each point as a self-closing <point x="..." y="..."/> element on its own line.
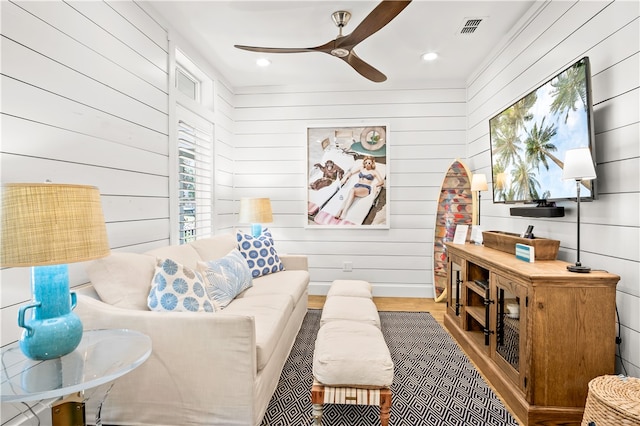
<point x="537" y="332"/>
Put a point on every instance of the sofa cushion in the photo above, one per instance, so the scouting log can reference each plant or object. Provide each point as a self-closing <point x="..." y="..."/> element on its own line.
<point x="226" y="277"/>
<point x="292" y="283"/>
<point x="178" y="288"/>
<point x="260" y="253"/>
<point x="183" y="254"/>
<point x="215" y="247"/>
<point x="123" y="279"/>
<point x="271" y="313"/>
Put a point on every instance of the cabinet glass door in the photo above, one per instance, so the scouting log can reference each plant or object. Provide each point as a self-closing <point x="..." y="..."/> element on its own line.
<point x="455" y="277"/>
<point x="508" y="326"/>
<point x="508" y="344"/>
<point x="456" y="287"/>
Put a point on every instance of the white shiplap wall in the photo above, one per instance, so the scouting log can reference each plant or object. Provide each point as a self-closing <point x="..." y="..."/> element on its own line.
<point x="85" y="100"/>
<point x="426" y="133"/>
<point x="554" y="35"/>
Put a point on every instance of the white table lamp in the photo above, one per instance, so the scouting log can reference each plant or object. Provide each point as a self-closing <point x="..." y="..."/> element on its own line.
<point x="478" y="184"/>
<point x="578" y="165"/>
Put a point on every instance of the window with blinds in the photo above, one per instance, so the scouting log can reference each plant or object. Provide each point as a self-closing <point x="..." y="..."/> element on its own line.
<point x="195" y="176"/>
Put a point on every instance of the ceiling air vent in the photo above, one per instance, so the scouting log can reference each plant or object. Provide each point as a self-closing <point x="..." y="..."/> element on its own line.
<point x="470" y="25"/>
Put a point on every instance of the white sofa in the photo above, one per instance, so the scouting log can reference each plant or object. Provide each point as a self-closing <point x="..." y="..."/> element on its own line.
<point x="205" y="368"/>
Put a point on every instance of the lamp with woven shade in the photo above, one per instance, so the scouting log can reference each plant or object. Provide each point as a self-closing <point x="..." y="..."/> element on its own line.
<point x="255" y="211"/>
<point x="46" y="226"/>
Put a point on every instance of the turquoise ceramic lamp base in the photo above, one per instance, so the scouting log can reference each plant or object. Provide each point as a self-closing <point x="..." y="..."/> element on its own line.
<point x="256" y="230"/>
<point x="53" y="330"/>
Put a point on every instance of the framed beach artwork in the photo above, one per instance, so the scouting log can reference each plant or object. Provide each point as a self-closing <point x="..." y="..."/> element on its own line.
<point x="348" y="177"/>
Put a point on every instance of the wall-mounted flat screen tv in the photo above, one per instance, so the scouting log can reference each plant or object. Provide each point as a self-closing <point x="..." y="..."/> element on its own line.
<point x="529" y="140"/>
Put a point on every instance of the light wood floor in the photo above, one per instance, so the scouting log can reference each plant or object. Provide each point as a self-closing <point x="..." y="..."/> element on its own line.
<point x="405" y="304"/>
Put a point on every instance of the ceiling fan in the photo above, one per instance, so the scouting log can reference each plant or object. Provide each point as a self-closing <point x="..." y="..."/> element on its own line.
<point x="343" y="45"/>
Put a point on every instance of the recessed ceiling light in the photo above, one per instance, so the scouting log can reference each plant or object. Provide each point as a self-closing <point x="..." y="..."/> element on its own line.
<point x="429" y="56"/>
<point x="263" y="62"/>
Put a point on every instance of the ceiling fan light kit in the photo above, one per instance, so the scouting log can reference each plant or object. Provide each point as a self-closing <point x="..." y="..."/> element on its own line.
<point x="342" y="46"/>
<point x="429" y="56"/>
<point x="263" y="62"/>
<point x="340" y="52"/>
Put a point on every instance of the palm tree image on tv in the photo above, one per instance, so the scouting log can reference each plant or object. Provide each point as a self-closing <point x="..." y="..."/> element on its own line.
<point x="530" y="138"/>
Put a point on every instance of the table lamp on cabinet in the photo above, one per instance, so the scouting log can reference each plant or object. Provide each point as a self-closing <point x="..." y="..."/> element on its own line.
<point x="46" y="226"/>
<point x="578" y="166"/>
<point x="255" y="211"/>
<point x="478" y="184"/>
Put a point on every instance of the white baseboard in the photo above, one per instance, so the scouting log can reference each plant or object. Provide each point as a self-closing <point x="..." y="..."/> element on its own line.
<point x="380" y="290"/>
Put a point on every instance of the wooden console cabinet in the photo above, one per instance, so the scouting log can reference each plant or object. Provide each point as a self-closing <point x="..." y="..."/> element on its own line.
<point x="537" y="332"/>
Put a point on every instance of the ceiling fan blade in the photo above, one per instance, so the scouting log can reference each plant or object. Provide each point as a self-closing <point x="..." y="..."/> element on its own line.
<point x="363" y="68"/>
<point x="275" y="49"/>
<point x="342" y="47"/>
<point x="378" y="18"/>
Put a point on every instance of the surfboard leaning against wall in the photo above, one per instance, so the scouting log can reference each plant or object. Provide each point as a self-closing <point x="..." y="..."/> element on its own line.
<point x="455" y="206"/>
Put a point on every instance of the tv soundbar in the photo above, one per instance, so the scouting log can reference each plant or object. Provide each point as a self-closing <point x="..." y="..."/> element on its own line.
<point x="537" y="211"/>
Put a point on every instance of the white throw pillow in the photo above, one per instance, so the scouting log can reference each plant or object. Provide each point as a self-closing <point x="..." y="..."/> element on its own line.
<point x="260" y="253"/>
<point x="226" y="277"/>
<point x="123" y="279"/>
<point x="177" y="288"/>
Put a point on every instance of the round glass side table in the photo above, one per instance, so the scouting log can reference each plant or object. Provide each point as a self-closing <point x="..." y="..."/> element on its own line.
<point x="101" y="357"/>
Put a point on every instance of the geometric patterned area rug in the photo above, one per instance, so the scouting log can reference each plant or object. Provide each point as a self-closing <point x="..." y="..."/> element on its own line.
<point x="434" y="382"/>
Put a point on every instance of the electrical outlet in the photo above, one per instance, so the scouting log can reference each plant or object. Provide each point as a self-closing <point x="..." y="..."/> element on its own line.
<point x="347" y="266"/>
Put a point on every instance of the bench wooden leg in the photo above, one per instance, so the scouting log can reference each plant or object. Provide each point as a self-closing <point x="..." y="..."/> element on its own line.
<point x="317" y="414"/>
<point x="385" y="406"/>
<point x="317" y="401"/>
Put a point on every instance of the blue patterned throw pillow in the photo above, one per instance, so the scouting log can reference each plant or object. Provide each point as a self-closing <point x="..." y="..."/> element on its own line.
<point x="177" y="288"/>
<point x="260" y="254"/>
<point x="226" y="277"/>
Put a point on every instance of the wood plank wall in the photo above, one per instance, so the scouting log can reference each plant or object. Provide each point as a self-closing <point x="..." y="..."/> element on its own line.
<point x="555" y="35"/>
<point x="85" y="100"/>
<point x="426" y="133"/>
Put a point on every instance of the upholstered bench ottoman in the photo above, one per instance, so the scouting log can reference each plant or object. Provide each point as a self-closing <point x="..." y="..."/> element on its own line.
<point x="351" y="288"/>
<point x="351" y="365"/>
<point x="362" y="309"/>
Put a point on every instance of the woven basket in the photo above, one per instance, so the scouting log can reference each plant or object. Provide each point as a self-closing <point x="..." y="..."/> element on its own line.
<point x="613" y="401"/>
